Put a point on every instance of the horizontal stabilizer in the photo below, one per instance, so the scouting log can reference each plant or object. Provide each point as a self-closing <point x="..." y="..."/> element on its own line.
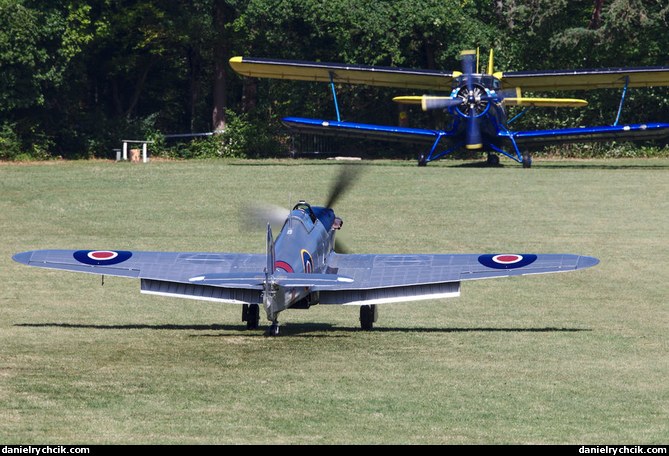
<point x="257" y="280"/>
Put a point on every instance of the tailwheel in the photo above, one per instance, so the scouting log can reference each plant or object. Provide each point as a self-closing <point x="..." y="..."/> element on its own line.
<point x="251" y="315"/>
<point x="368" y="315"/>
<point x="273" y="330"/>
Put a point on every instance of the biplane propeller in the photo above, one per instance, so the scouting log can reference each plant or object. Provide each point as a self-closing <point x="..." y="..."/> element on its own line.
<point x="476" y="102"/>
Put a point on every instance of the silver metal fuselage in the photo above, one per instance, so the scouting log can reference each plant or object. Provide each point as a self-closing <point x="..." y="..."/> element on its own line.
<point x="302" y="247"/>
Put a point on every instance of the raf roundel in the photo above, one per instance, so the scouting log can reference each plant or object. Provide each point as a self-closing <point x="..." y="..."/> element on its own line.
<point x="507" y="260"/>
<point x="101" y="257"/>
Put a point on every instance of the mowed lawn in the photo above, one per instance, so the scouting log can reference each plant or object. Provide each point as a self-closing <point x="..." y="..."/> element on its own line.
<point x="577" y="358"/>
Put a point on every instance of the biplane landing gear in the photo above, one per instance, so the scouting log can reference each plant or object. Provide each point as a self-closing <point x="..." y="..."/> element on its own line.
<point x="422" y="160"/>
<point x="527" y="160"/>
<point x="251" y="315"/>
<point x="368" y="315"/>
<point x="492" y="160"/>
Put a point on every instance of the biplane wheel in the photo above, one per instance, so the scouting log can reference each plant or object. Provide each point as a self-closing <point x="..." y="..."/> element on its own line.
<point x="422" y="160"/>
<point x="367" y="317"/>
<point x="252" y="316"/>
<point x="527" y="161"/>
<point x="492" y="160"/>
<point x="273" y="330"/>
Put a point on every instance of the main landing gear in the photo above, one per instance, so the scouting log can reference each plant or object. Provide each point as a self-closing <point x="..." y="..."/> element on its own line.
<point x="251" y="315"/>
<point x="493" y="160"/>
<point x="368" y="315"/>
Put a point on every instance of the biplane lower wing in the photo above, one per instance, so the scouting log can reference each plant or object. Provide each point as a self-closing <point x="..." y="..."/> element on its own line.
<point x="636" y="132"/>
<point x="364" y="131"/>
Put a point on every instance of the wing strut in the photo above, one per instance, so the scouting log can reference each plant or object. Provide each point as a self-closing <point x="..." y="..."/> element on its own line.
<point x="622" y="100"/>
<point x="334" y="95"/>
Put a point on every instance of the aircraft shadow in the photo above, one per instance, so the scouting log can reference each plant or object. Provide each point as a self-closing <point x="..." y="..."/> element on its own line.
<point x="293" y="329"/>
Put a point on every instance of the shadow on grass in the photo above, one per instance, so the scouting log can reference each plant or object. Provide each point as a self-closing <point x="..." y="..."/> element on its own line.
<point x="293" y="329"/>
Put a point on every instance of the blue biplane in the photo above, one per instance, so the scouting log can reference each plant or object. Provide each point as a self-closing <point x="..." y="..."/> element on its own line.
<point x="476" y="102"/>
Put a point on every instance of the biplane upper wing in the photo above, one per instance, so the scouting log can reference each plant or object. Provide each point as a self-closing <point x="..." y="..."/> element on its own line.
<point x="598" y="78"/>
<point x="343" y="73"/>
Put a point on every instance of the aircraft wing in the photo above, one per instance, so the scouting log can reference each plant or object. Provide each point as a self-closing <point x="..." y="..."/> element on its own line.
<point x="377" y="279"/>
<point x="343" y="73"/>
<point x="351" y="279"/>
<point x="363" y="131"/>
<point x="164" y="273"/>
<point x="648" y="131"/>
<point x="599" y="78"/>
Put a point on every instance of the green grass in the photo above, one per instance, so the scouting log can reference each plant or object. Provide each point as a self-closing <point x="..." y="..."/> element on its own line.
<point x="565" y="358"/>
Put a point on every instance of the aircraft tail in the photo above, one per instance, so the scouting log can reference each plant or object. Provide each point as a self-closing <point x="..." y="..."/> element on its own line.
<point x="269" y="269"/>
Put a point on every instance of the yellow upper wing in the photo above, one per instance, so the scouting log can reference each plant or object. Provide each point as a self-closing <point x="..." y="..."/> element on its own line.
<point x="349" y="74"/>
<point x="442" y="80"/>
<point x="601" y="78"/>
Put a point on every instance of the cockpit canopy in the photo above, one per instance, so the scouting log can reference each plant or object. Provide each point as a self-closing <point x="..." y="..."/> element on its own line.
<point x="323" y="214"/>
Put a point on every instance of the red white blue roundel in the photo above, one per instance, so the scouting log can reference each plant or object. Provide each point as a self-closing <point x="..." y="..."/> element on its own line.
<point x="101" y="257"/>
<point x="507" y="260"/>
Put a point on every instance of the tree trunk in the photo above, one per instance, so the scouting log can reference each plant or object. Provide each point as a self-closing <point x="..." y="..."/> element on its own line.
<point x="596" y="18"/>
<point x="222" y="14"/>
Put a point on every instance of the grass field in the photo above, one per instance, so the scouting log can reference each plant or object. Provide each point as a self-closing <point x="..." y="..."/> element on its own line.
<point x="574" y="358"/>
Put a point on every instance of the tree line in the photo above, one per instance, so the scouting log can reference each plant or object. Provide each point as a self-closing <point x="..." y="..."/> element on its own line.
<point x="77" y="76"/>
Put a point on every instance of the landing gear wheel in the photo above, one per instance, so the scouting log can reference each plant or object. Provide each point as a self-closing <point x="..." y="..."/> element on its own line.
<point x="367" y="317"/>
<point x="273" y="330"/>
<point x="527" y="160"/>
<point x="493" y="160"/>
<point x="251" y="315"/>
<point x="422" y="160"/>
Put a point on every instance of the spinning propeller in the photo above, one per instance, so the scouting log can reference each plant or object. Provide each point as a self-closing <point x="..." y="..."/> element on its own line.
<point x="472" y="98"/>
<point x="258" y="215"/>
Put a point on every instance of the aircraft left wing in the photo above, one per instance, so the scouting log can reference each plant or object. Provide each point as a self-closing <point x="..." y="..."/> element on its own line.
<point x="632" y="132"/>
<point x="342" y="73"/>
<point x="378" y="279"/>
<point x="598" y="78"/>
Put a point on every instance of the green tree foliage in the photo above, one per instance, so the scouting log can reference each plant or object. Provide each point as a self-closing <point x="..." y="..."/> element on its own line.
<point x="78" y="76"/>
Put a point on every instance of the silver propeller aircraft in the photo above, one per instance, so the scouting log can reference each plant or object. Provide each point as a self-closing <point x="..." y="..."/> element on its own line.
<point x="301" y="269"/>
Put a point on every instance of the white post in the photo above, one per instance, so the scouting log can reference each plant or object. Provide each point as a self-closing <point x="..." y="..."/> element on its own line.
<point x="125" y="151"/>
<point x="145" y="159"/>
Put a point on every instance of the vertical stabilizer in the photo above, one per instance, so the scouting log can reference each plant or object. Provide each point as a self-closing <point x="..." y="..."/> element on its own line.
<point x="270" y="251"/>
